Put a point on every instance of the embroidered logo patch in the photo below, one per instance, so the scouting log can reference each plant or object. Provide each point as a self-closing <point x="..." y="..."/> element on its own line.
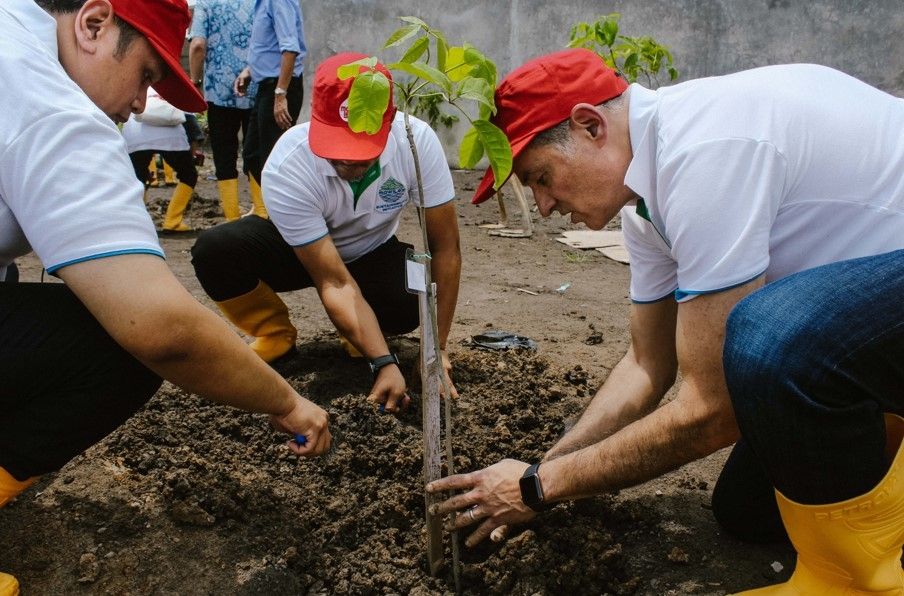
<point x="391" y="194"/>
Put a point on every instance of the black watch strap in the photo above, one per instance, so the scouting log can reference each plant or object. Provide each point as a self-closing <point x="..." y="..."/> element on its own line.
<point x="532" y="489"/>
<point x="380" y="361"/>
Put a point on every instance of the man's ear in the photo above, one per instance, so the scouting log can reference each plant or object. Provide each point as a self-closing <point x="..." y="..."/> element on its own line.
<point x="590" y="120"/>
<point x="93" y="22"/>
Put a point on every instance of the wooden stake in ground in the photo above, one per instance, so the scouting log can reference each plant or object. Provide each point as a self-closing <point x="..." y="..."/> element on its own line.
<point x="431" y="424"/>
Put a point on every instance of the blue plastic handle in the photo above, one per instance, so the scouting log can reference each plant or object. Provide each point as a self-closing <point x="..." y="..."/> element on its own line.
<point x="301" y="440"/>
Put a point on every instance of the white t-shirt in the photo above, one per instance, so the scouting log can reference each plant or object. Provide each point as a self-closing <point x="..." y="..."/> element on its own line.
<point x="67" y="188"/>
<point x="306" y="200"/>
<point x="772" y="170"/>
<point x="141" y="136"/>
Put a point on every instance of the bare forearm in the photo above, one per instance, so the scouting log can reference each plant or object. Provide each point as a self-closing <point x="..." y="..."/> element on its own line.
<point x="628" y="394"/>
<point x="446" y="272"/>
<point x="209" y="359"/>
<point x="196" y="53"/>
<point x="286" y="67"/>
<point x="354" y="319"/>
<point x="671" y="436"/>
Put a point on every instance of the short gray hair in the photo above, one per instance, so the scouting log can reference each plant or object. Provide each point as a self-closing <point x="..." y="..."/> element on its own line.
<point x="560" y="135"/>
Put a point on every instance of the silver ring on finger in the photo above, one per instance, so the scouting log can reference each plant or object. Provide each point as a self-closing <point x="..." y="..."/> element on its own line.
<point x="471" y="514"/>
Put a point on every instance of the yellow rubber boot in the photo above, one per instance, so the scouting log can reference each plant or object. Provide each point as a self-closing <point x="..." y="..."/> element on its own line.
<point x="229" y="198"/>
<point x="257" y="199"/>
<point x="169" y="176"/>
<point x="9" y="489"/>
<point x="852" y="547"/>
<point x="172" y="221"/>
<point x="261" y="314"/>
<point x="152" y="171"/>
<point x="9" y="586"/>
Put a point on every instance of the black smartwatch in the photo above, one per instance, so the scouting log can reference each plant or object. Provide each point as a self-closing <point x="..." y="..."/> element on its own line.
<point x="532" y="490"/>
<point x="379" y="362"/>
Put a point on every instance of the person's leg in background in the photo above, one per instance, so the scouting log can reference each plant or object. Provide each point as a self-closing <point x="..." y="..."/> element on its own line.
<point x="264" y="132"/>
<point x="184" y="164"/>
<point x="141" y="161"/>
<point x="225" y="124"/>
<point x="815" y="368"/>
<point x="242" y="265"/>
<point x="66" y="385"/>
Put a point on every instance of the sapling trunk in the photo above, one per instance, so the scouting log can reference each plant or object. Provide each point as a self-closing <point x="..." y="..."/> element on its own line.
<point x="432" y="377"/>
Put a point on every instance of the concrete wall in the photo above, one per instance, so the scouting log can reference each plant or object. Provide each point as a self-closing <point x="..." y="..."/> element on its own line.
<point x="707" y="37"/>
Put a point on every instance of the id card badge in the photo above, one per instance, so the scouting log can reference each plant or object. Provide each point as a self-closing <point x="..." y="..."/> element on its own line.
<point x="415" y="273"/>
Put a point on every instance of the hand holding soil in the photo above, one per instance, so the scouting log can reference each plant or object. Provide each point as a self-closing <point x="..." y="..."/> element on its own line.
<point x="309" y="420"/>
<point x="493" y="498"/>
<point x="390" y="390"/>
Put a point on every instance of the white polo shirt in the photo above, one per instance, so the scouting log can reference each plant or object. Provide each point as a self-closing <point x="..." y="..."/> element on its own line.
<point x="141" y="136"/>
<point x="772" y="170"/>
<point x="67" y="188"/>
<point x="306" y="200"/>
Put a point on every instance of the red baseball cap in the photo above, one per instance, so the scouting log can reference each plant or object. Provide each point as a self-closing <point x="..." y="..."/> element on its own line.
<point x="163" y="23"/>
<point x="540" y="94"/>
<point x="329" y="135"/>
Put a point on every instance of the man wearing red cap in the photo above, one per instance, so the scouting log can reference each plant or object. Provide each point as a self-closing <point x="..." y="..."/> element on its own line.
<point x="789" y="177"/>
<point x="78" y="358"/>
<point x="335" y="198"/>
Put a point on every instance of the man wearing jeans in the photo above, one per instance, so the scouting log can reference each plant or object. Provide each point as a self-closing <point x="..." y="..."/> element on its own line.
<point x="335" y="198"/>
<point x="727" y="184"/>
<point x="275" y="62"/>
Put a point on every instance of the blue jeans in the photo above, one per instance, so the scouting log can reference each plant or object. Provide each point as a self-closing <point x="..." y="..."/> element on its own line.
<point x="812" y="362"/>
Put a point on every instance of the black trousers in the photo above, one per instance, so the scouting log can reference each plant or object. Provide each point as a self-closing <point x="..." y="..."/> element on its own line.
<point x="65" y="383"/>
<point x="225" y="125"/>
<point x="232" y="258"/>
<point x="182" y="162"/>
<point x="263" y="132"/>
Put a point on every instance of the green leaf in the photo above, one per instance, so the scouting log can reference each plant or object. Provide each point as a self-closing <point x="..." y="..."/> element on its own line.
<point x="401" y="35"/>
<point x="497" y="148"/>
<point x="456" y="67"/>
<point x="425" y="72"/>
<point x="415" y="21"/>
<point x="610" y="31"/>
<point x="477" y="90"/>
<point x="367" y="102"/>
<point x="471" y="149"/>
<point x="442" y="50"/>
<point x="416" y="50"/>
<point x="673" y="74"/>
<point x="347" y="71"/>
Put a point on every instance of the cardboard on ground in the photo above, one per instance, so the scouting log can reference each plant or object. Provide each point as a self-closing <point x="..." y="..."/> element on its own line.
<point x="609" y="242"/>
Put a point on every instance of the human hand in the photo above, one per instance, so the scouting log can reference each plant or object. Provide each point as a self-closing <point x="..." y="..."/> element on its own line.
<point x="307" y="419"/>
<point x="240" y="85"/>
<point x="390" y="390"/>
<point x="447" y="372"/>
<point x="198" y="156"/>
<point x="493" y="498"/>
<point x="281" y="112"/>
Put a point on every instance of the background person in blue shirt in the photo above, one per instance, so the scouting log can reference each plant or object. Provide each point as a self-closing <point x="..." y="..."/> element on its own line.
<point x="275" y="57"/>
<point x="220" y="32"/>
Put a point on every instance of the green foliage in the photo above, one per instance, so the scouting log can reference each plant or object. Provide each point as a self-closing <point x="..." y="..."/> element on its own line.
<point x="435" y="73"/>
<point x="632" y="56"/>
<point x="427" y="108"/>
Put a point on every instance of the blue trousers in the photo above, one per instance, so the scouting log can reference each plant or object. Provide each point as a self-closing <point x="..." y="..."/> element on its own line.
<point x="812" y="362"/>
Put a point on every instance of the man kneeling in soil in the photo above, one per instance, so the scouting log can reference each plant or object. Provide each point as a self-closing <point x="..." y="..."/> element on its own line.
<point x="78" y="358"/>
<point x="783" y="174"/>
<point x="335" y="198"/>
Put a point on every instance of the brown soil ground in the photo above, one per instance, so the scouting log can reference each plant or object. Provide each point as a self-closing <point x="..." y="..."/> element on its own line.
<point x="193" y="498"/>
